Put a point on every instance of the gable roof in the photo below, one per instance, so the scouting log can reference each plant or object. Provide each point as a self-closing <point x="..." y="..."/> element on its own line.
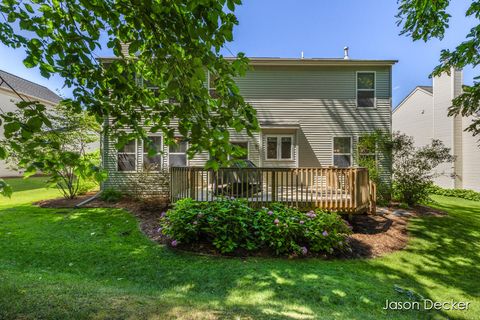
<point x="426" y="89"/>
<point x="28" y="88"/>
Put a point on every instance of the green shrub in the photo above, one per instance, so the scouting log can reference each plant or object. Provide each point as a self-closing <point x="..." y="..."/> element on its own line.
<point x="230" y="224"/>
<point x="111" y="195"/>
<point x="459" y="193"/>
<point x="87" y="186"/>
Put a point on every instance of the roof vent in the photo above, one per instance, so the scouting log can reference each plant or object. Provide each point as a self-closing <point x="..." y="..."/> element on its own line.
<point x="345" y="53"/>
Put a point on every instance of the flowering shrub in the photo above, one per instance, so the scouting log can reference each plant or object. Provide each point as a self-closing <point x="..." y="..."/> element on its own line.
<point x="230" y="224"/>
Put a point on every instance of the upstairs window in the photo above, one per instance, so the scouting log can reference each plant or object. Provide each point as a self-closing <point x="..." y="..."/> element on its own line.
<point x="366" y="89"/>
<point x="152" y="163"/>
<point x="342" y="152"/>
<point x="127" y="157"/>
<point x="279" y="148"/>
<point x="212" y="79"/>
<point x="177" y="153"/>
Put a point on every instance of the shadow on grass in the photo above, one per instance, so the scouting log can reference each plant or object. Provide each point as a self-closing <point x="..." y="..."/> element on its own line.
<point x="98" y="265"/>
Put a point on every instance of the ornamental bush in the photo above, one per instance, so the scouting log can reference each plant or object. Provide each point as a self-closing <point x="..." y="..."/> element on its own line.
<point x="230" y="225"/>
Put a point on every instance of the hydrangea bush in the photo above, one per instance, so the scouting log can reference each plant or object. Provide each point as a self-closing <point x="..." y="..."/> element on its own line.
<point x="230" y="224"/>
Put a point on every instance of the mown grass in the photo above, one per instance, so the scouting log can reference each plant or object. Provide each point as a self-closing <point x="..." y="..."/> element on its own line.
<point x="95" y="263"/>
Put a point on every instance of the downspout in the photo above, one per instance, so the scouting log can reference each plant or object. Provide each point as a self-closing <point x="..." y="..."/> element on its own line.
<point x="84" y="202"/>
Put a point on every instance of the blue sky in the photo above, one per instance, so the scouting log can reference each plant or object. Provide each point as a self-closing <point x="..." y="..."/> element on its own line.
<point x="281" y="28"/>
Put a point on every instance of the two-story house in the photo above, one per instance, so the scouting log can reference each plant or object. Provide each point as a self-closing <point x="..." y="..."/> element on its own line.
<point x="423" y="114"/>
<point x="311" y="113"/>
<point x="12" y="90"/>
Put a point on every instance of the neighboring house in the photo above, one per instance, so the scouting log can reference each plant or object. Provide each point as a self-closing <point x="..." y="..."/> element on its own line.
<point x="311" y="113"/>
<point x="423" y="114"/>
<point x="12" y="90"/>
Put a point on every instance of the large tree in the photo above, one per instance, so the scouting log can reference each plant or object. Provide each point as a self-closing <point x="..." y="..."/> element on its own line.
<point x="173" y="45"/>
<point x="426" y="19"/>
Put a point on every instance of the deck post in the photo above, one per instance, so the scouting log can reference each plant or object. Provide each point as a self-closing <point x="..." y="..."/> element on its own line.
<point x="192" y="183"/>
<point x="274" y="186"/>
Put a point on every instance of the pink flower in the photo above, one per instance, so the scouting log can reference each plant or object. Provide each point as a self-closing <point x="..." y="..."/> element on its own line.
<point x="174" y="243"/>
<point x="302" y="222"/>
<point x="276" y="221"/>
<point x="163" y="214"/>
<point x="270" y="213"/>
<point x="311" y="214"/>
<point x="159" y="229"/>
<point x="325" y="233"/>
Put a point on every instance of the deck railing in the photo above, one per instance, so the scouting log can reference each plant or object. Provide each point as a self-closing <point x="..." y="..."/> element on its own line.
<point x="342" y="189"/>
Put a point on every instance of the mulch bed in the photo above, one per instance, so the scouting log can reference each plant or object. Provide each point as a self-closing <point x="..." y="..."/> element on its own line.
<point x="373" y="235"/>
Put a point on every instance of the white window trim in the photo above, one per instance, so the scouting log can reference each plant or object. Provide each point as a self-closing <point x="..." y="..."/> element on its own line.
<point x="143" y="153"/>
<point x="342" y="154"/>
<point x="279" y="146"/>
<point x="136" y="158"/>
<point x="169" y="153"/>
<point x="242" y="141"/>
<point x="374" y="89"/>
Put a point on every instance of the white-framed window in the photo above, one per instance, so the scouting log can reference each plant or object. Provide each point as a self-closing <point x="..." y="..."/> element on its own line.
<point x="177" y="153"/>
<point x="366" y="149"/>
<point x="366" y="89"/>
<point x="127" y="157"/>
<point x="279" y="147"/>
<point x="212" y="85"/>
<point x="243" y="145"/>
<point x="152" y="163"/>
<point x="342" y="152"/>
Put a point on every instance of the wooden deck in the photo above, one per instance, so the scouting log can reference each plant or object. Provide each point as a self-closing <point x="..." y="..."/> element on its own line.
<point x="341" y="189"/>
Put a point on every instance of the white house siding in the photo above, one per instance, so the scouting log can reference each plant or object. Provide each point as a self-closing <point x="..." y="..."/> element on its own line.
<point x="315" y="103"/>
<point x="471" y="158"/>
<point x="7" y="104"/>
<point x="444" y="90"/>
<point x="414" y="117"/>
<point x="408" y="118"/>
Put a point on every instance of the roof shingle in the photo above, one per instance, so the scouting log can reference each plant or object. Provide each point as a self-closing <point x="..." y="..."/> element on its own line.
<point x="28" y="88"/>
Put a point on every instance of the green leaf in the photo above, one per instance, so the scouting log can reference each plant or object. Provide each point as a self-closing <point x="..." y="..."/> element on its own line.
<point x="5" y="189"/>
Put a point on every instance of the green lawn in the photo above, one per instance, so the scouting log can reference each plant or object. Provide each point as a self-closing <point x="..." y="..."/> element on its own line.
<point x="95" y="263"/>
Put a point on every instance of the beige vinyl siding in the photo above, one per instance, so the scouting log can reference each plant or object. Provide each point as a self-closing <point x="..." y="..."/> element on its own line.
<point x="134" y="182"/>
<point x="320" y="101"/>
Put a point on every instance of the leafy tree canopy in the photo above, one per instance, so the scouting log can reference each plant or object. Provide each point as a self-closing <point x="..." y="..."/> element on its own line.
<point x="62" y="152"/>
<point x="172" y="44"/>
<point x="426" y="19"/>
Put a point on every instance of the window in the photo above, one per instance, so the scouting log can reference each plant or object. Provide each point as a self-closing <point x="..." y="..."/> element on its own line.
<point x="127" y="157"/>
<point x="342" y="152"/>
<point x="152" y="162"/>
<point x="177" y="155"/>
<point x="365" y="89"/>
<point x="279" y="147"/>
<point x="212" y="84"/>
<point x="366" y="151"/>
<point x="244" y="146"/>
